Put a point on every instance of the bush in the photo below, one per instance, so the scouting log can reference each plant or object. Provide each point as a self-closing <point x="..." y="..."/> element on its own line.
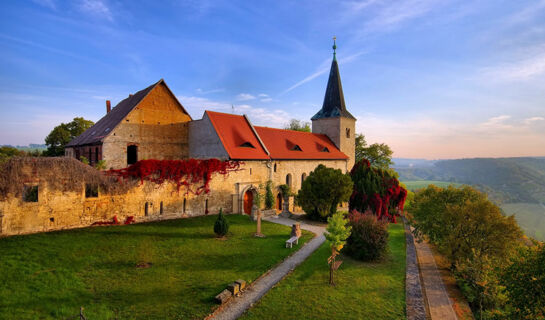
<point x="221" y="226"/>
<point x="269" y="197"/>
<point x="369" y="238"/>
<point x="322" y="191"/>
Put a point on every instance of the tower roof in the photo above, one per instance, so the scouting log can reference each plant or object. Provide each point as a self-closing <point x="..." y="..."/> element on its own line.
<point x="334" y="105"/>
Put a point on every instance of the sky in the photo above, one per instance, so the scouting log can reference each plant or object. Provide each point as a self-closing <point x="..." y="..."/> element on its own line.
<point x="433" y="79"/>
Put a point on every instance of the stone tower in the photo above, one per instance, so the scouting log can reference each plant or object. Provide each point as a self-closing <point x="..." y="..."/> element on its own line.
<point x="333" y="119"/>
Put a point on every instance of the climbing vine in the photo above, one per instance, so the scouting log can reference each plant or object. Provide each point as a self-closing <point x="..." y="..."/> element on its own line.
<point x="187" y="173"/>
<point x="376" y="190"/>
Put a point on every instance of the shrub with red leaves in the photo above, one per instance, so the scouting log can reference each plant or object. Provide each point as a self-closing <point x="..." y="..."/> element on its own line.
<point x="376" y="190"/>
<point x="181" y="172"/>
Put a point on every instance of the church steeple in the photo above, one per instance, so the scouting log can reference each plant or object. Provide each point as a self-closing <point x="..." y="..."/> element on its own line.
<point x="333" y="105"/>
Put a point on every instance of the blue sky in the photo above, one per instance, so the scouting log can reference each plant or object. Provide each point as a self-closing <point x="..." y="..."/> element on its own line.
<point x="431" y="78"/>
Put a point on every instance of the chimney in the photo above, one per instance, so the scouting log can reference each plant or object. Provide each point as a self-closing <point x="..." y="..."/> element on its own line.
<point x="108" y="106"/>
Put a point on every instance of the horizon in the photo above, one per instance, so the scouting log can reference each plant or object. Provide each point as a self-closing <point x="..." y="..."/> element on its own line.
<point x="434" y="80"/>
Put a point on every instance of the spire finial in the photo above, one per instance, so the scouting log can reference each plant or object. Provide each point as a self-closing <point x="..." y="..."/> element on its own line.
<point x="334" y="48"/>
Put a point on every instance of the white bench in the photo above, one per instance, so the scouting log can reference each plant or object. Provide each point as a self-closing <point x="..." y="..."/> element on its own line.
<point x="290" y="241"/>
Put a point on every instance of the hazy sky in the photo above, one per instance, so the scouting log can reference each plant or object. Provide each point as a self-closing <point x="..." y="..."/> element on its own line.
<point x="431" y="78"/>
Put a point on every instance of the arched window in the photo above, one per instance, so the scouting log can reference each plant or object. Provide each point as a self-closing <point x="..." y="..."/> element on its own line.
<point x="303" y="176"/>
<point x="161" y="208"/>
<point x="185" y="205"/>
<point x="288" y="179"/>
<point x="348" y="132"/>
<point x="275" y="167"/>
<point x="146" y="209"/>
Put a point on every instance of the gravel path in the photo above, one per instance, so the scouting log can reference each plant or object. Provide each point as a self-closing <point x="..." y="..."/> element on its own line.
<point x="236" y="306"/>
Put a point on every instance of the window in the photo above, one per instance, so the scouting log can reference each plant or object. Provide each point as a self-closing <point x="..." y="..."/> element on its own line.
<point x="77" y="153"/>
<point x="184" y="207"/>
<point x="250" y="171"/>
<point x="206" y="206"/>
<point x="30" y="194"/>
<point x="247" y="145"/>
<point x="132" y="154"/>
<point x="96" y="155"/>
<point x="146" y="209"/>
<point x="296" y="148"/>
<point x="161" y="208"/>
<point x="90" y="155"/>
<point x="325" y="149"/>
<point x="288" y="179"/>
<point x="91" y="190"/>
<point x="275" y="167"/>
<point x="303" y="176"/>
<point x="348" y="132"/>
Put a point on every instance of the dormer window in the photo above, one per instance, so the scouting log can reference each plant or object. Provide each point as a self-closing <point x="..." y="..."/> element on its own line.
<point x="247" y="145"/>
<point x="296" y="148"/>
<point x="325" y="149"/>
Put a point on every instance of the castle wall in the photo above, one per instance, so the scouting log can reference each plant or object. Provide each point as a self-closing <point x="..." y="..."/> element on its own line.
<point x="57" y="210"/>
<point x="158" y="126"/>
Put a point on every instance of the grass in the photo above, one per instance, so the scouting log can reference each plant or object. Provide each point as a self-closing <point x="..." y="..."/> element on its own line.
<point x="363" y="290"/>
<point x="50" y="275"/>
<point x="530" y="217"/>
<point x="415" y="185"/>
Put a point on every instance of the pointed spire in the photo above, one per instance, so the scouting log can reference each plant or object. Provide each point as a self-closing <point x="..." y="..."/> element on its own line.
<point x="333" y="105"/>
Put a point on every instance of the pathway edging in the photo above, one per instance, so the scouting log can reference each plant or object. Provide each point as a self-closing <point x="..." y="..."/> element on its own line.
<point x="414" y="298"/>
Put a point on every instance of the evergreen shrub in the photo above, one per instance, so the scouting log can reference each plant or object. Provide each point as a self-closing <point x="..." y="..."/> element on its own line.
<point x="369" y="238"/>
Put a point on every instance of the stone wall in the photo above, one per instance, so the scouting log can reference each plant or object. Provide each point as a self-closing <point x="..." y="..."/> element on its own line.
<point x="57" y="210"/>
<point x="158" y="126"/>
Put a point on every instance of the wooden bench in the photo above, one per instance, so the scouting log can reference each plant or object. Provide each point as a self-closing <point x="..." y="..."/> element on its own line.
<point x="290" y="241"/>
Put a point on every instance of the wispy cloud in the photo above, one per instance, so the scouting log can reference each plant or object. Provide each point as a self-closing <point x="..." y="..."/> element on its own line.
<point x="532" y="120"/>
<point x="201" y="91"/>
<point x="498" y="122"/>
<point x="520" y="70"/>
<point x="51" y="4"/>
<point x="245" y="97"/>
<point x="392" y="14"/>
<point x="321" y="70"/>
<point x="97" y="8"/>
<point x="264" y="97"/>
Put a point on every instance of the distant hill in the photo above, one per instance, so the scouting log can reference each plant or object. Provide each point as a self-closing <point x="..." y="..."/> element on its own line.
<point x="516" y="184"/>
<point x="506" y="180"/>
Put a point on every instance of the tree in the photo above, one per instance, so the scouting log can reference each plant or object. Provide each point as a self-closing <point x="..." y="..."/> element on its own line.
<point x="7" y="152"/>
<point x="524" y="280"/>
<point x="298" y="125"/>
<point x="322" y="191"/>
<point x="337" y="233"/>
<point x="377" y="190"/>
<point x="57" y="139"/>
<point x="269" y="197"/>
<point x="378" y="154"/>
<point x="221" y="226"/>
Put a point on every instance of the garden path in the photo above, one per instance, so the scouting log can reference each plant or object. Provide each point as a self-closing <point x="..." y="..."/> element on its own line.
<point x="237" y="305"/>
<point x="438" y="301"/>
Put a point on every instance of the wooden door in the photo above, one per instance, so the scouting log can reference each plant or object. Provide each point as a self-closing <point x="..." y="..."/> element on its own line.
<point x="279" y="202"/>
<point x="248" y="201"/>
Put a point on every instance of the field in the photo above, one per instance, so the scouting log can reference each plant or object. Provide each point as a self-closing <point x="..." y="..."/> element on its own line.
<point x="362" y="291"/>
<point x="414" y="185"/>
<point x="530" y="217"/>
<point x="52" y="275"/>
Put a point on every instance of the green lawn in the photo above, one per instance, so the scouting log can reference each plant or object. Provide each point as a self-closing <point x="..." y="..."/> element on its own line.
<point x="530" y="217"/>
<point x="414" y="185"/>
<point x="50" y="275"/>
<point x="363" y="291"/>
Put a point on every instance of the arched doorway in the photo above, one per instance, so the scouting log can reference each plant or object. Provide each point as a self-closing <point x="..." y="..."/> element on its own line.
<point x="248" y="201"/>
<point x="279" y="199"/>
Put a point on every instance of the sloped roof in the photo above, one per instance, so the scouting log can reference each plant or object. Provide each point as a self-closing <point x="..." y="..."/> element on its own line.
<point x="333" y="105"/>
<point x="104" y="126"/>
<point x="282" y="145"/>
<point x="235" y="131"/>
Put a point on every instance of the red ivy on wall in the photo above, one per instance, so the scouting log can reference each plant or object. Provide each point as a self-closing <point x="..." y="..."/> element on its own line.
<point x="185" y="173"/>
<point x="376" y="190"/>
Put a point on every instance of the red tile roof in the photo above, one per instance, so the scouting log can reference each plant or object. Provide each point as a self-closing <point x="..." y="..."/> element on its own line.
<point x="282" y="144"/>
<point x="235" y="130"/>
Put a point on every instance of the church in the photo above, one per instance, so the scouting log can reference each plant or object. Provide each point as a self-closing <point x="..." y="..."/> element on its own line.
<point x="153" y="124"/>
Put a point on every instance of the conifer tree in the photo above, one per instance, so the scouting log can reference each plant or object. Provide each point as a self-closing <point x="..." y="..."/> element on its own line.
<point x="221" y="226"/>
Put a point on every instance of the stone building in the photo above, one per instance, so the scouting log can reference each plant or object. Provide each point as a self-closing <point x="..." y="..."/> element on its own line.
<point x="153" y="124"/>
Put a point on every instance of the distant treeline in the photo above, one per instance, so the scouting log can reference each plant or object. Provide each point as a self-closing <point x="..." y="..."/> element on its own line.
<point x="506" y="180"/>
